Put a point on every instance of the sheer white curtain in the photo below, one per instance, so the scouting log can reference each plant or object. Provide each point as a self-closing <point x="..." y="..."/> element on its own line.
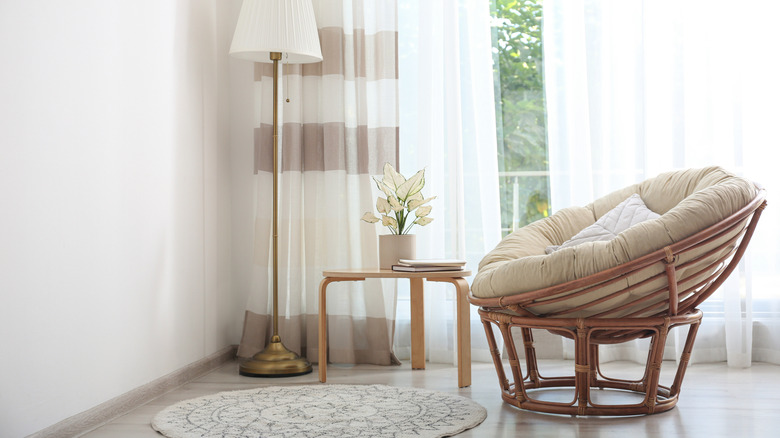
<point x="447" y="126"/>
<point x="635" y="88"/>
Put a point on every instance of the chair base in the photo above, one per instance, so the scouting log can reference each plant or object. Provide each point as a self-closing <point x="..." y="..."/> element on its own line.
<point x="588" y="334"/>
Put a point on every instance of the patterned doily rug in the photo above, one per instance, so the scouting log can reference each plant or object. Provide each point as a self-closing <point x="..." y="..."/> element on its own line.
<point x="321" y="411"/>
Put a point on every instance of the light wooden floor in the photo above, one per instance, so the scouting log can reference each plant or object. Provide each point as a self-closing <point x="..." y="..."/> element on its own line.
<point x="716" y="401"/>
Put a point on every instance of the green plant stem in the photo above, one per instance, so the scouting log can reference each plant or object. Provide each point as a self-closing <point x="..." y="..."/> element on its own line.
<point x="410" y="225"/>
<point x="407" y="229"/>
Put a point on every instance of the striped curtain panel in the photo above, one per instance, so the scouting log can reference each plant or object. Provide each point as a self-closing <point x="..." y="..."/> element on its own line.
<point x="338" y="126"/>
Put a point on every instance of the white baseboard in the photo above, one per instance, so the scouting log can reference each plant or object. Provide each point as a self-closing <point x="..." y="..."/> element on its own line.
<point x="103" y="413"/>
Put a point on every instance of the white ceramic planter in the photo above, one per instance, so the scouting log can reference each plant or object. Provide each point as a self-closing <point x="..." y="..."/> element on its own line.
<point x="393" y="247"/>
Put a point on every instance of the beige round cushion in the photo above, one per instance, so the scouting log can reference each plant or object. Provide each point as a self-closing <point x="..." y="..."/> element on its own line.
<point x="688" y="201"/>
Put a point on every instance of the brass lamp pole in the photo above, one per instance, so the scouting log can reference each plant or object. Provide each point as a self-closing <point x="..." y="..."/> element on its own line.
<point x="265" y="30"/>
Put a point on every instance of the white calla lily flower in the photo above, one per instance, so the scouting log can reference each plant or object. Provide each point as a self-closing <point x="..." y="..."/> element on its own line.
<point x="423" y="221"/>
<point x="416" y="197"/>
<point x="389" y="222"/>
<point x="391" y="178"/>
<point x="423" y="211"/>
<point x="394" y="204"/>
<point x="411" y="186"/>
<point x="387" y="190"/>
<point x="370" y="218"/>
<point x="416" y="203"/>
<point x="382" y="205"/>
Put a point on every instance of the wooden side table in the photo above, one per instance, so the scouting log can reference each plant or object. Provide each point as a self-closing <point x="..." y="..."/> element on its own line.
<point x="418" y="326"/>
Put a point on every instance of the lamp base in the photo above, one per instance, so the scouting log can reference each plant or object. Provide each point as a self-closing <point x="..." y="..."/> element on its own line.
<point x="275" y="361"/>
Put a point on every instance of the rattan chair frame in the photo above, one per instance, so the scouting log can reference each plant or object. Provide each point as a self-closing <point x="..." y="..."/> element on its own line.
<point x="652" y="316"/>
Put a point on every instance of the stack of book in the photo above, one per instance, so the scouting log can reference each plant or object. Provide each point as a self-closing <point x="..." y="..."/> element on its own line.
<point x="429" y="265"/>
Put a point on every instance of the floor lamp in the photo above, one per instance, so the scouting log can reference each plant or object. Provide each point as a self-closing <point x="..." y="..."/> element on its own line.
<point x="266" y="31"/>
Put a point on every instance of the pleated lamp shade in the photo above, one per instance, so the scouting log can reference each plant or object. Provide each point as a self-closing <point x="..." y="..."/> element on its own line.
<point x="285" y="26"/>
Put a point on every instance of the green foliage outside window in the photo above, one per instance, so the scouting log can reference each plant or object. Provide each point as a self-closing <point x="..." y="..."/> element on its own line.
<point x="520" y="113"/>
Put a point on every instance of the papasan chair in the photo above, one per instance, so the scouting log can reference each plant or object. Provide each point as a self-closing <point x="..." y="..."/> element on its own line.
<point x="633" y="264"/>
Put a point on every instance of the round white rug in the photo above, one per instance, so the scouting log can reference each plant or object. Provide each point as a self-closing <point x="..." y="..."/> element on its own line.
<point x="321" y="411"/>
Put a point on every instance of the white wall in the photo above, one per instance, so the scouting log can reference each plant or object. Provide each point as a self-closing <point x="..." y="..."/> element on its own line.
<point x="115" y="199"/>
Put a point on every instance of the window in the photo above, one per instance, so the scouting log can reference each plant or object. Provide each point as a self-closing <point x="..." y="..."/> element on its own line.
<point x="520" y="112"/>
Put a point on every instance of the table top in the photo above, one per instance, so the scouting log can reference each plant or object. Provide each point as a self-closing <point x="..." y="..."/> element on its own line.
<point x="389" y="273"/>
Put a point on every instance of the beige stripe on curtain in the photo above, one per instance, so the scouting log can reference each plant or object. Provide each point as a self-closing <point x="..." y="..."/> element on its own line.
<point x="339" y="127"/>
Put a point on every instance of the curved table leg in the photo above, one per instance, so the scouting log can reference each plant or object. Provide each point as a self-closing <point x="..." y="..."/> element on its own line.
<point x="463" y="329"/>
<point x="323" y="324"/>
<point x="417" y="303"/>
